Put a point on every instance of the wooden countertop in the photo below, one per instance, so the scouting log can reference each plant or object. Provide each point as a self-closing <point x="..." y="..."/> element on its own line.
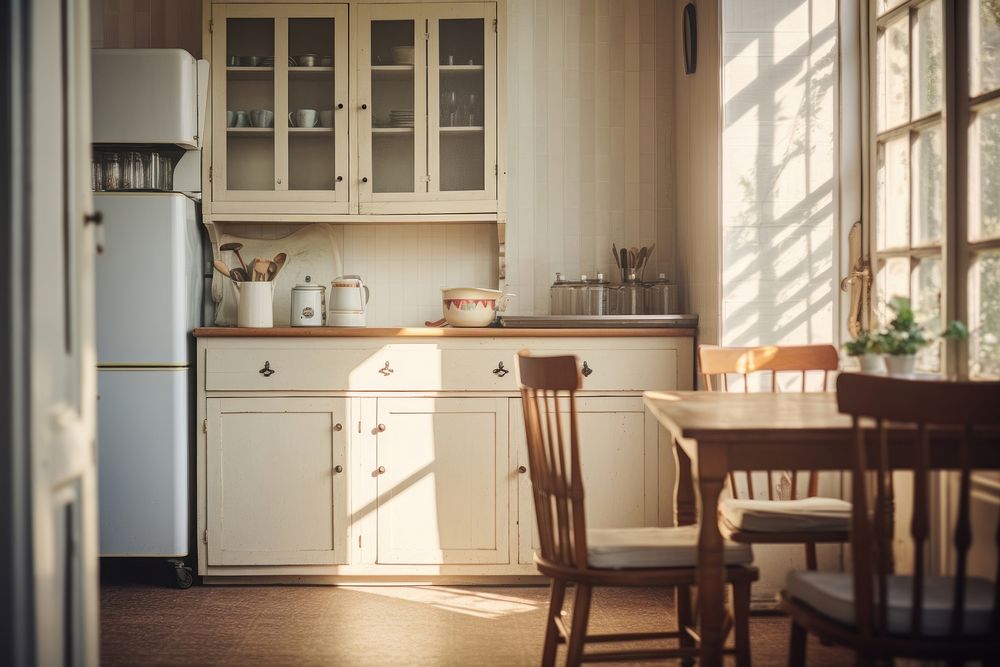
<point x="430" y="332"/>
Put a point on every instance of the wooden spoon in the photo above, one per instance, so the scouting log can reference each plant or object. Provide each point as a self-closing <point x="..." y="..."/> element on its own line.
<point x="221" y="267"/>
<point x="276" y="264"/>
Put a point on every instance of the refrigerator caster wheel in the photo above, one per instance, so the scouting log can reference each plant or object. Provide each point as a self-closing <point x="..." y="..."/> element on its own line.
<point x="183" y="574"/>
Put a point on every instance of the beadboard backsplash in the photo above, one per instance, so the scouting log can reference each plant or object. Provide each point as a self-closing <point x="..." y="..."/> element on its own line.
<point x="405" y="266"/>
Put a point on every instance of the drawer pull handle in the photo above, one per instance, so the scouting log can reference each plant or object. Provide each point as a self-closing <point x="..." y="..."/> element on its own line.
<point x="500" y="370"/>
<point x="267" y="371"/>
<point x="338" y="469"/>
<point x="381" y="470"/>
<point x="522" y="469"/>
<point x="385" y="370"/>
<point x="587" y="370"/>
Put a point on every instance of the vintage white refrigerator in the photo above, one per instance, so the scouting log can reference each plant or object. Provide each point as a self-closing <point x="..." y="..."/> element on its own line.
<point x="149" y="296"/>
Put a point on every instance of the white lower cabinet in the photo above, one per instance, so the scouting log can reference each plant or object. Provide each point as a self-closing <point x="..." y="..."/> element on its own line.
<point x="442" y="480"/>
<point x="623" y="474"/>
<point x="276" y="482"/>
<point x="358" y="458"/>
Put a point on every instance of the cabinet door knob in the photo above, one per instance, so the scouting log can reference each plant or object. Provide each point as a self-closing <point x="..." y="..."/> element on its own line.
<point x="381" y="470"/>
<point x="340" y="106"/>
<point x="340" y="178"/>
<point x="279" y="181"/>
<point x="95" y="218"/>
<point x="522" y="469"/>
<point x="338" y="427"/>
<point x="587" y="370"/>
<point x="364" y="179"/>
<point x="500" y="371"/>
<point x="338" y="468"/>
<point x="364" y="106"/>
<point x="267" y="371"/>
<point x="380" y="428"/>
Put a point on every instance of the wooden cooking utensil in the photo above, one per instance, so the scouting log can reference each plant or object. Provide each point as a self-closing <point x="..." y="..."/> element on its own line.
<point x="435" y="323"/>
<point x="279" y="262"/>
<point x="221" y="267"/>
<point x="236" y="247"/>
<point x="259" y="269"/>
<point x="240" y="275"/>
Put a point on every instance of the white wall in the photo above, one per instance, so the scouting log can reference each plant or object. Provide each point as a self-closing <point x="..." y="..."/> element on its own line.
<point x="779" y="171"/>
<point x="590" y="149"/>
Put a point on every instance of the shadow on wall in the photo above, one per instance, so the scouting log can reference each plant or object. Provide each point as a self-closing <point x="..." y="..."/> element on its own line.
<point x="779" y="172"/>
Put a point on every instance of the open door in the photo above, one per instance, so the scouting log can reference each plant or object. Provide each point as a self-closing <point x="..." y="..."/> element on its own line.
<point x="51" y="615"/>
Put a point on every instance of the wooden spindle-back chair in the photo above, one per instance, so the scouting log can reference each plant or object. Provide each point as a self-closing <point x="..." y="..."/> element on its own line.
<point x="954" y="619"/>
<point x="749" y="363"/>
<point x="567" y="547"/>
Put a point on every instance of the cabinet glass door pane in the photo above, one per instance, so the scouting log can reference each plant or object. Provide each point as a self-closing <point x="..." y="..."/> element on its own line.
<point x="392" y="112"/>
<point x="311" y="104"/>
<point x="461" y="87"/>
<point x="250" y="103"/>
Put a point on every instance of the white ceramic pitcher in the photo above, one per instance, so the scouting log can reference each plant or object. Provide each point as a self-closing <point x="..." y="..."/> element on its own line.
<point x="256" y="304"/>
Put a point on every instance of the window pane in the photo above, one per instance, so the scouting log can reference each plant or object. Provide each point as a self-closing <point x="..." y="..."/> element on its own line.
<point x="886" y="5"/>
<point x="893" y="194"/>
<point x="893" y="280"/>
<point x="984" y="175"/>
<point x="926" y="291"/>
<point x="928" y="186"/>
<point x="984" y="316"/>
<point x="893" y="68"/>
<point x="985" y="31"/>
<point x="928" y="60"/>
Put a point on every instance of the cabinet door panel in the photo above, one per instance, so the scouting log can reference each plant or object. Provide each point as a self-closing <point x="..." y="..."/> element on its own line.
<point x="274" y="496"/>
<point x="443" y="495"/>
<point x="620" y="463"/>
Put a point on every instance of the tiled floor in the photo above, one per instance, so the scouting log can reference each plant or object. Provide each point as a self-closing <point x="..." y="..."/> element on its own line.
<point x="145" y="624"/>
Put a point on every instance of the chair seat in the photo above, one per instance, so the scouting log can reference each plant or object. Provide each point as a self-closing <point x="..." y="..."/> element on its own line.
<point x="832" y="594"/>
<point x="786" y="516"/>
<point x="625" y="548"/>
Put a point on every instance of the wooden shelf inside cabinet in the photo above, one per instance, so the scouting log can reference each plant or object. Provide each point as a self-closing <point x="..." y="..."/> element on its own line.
<point x="392" y="130"/>
<point x="460" y="69"/>
<point x="401" y="72"/>
<point x="250" y="73"/>
<point x="253" y="132"/>
<point x="462" y="130"/>
<point x="306" y="131"/>
<point x="308" y="72"/>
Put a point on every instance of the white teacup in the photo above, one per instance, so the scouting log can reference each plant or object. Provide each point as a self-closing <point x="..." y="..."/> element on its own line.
<point x="303" y="118"/>
<point x="326" y="118"/>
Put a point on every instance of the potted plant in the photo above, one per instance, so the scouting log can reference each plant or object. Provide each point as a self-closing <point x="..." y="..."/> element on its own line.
<point x="866" y="349"/>
<point x="900" y="341"/>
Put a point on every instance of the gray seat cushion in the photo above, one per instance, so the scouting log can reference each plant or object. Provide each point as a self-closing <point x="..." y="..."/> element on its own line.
<point x="623" y="548"/>
<point x="832" y="594"/>
<point x="786" y="516"/>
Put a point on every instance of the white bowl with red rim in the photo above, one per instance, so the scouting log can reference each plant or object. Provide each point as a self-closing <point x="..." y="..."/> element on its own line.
<point x="472" y="306"/>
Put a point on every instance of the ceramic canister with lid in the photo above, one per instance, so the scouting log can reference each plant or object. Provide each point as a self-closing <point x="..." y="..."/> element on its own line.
<point x="308" y="304"/>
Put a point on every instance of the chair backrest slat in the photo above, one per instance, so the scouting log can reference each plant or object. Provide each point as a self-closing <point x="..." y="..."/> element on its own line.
<point x="750" y="361"/>
<point x="557" y="483"/>
<point x="959" y="407"/>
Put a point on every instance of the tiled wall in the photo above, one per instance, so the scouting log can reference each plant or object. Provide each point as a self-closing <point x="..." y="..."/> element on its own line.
<point x="590" y="149"/>
<point x="405" y="266"/>
<point x="779" y="171"/>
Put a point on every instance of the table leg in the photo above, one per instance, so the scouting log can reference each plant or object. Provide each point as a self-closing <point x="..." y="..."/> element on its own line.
<point x="685" y="502"/>
<point x="711" y="574"/>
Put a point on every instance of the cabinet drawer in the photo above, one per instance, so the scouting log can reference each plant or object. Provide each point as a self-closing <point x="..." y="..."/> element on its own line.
<point x="628" y="370"/>
<point x="247" y="369"/>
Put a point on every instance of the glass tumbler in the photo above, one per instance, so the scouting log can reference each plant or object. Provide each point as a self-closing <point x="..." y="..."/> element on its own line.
<point x="97" y="173"/>
<point x="112" y="171"/>
<point x="166" y="173"/>
<point x="134" y="173"/>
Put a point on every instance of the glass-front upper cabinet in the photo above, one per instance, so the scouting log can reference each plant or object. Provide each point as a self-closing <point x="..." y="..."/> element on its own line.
<point x="427" y="108"/>
<point x="280" y="107"/>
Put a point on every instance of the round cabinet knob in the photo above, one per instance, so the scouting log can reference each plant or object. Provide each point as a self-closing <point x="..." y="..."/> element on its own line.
<point x="380" y="428"/>
<point x="338" y="469"/>
<point x="338" y="427"/>
<point x="364" y="179"/>
<point x="522" y="469"/>
<point x="364" y="106"/>
<point x="381" y="470"/>
<point x="340" y="178"/>
<point x="340" y="106"/>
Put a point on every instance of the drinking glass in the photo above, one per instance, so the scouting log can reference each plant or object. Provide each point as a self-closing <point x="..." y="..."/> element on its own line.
<point x="97" y="173"/>
<point x="134" y="175"/>
<point x="112" y="170"/>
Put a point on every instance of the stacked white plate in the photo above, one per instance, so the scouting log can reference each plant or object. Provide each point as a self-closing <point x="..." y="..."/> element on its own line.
<point x="401" y="118"/>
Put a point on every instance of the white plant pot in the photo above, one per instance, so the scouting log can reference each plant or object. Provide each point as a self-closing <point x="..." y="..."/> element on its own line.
<point x="900" y="365"/>
<point x="871" y="363"/>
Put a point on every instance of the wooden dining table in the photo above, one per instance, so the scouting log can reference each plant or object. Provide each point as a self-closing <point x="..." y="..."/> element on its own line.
<point x="716" y="433"/>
